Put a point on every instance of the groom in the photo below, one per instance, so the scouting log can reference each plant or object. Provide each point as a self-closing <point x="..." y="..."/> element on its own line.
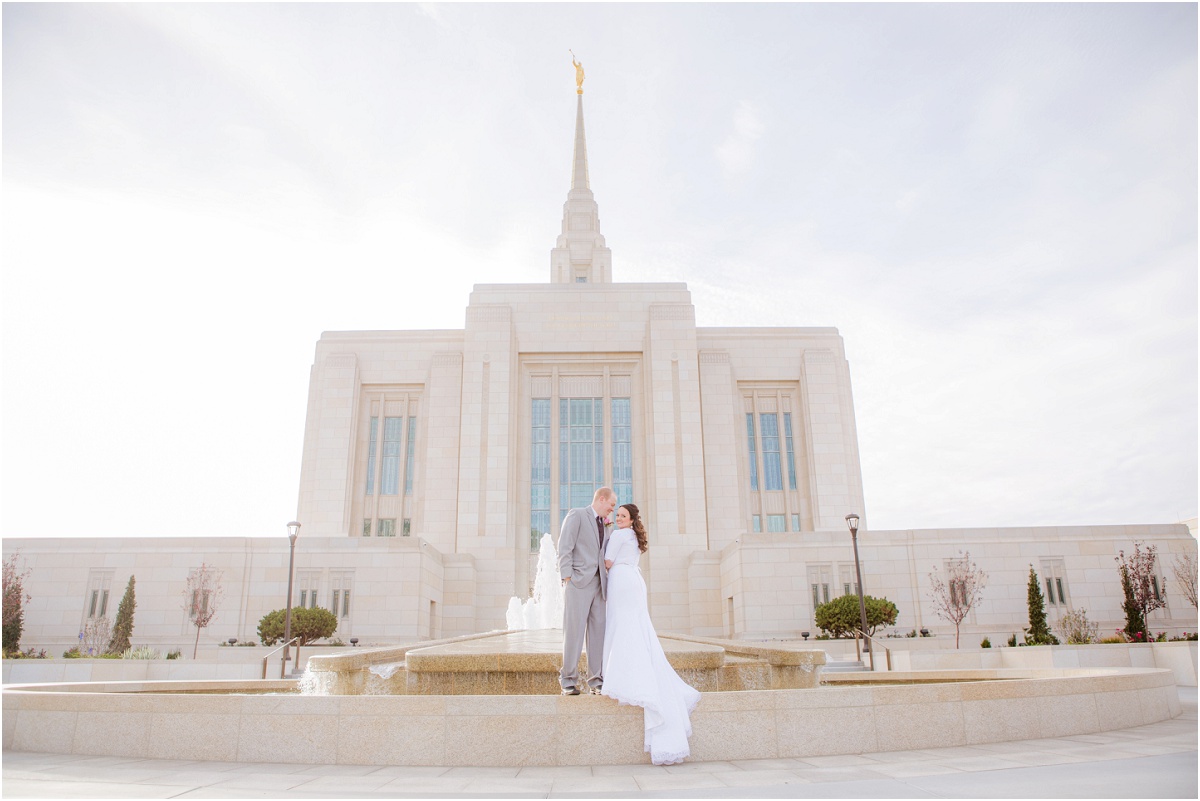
<point x="581" y="567"/>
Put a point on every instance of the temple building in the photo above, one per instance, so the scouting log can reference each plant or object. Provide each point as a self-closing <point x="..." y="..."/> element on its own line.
<point x="435" y="461"/>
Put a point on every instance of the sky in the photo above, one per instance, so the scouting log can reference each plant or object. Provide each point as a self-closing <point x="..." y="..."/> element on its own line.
<point x="996" y="205"/>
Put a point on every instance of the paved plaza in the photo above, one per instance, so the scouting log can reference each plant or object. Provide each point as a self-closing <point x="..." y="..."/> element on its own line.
<point x="1155" y="761"/>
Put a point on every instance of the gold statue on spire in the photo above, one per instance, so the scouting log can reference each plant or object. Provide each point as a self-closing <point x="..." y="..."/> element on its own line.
<point x="578" y="73"/>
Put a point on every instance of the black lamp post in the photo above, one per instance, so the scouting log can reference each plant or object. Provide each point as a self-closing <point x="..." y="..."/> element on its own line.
<point x="293" y="532"/>
<point x="852" y="522"/>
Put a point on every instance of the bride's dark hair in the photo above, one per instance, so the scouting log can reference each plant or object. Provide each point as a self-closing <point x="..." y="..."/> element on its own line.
<point x="639" y="529"/>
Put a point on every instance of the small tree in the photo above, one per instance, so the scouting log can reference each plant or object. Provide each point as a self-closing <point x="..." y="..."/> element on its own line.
<point x="309" y="625"/>
<point x="954" y="598"/>
<point x="1184" y="568"/>
<point x="15" y="598"/>
<point x="1076" y="629"/>
<point x="840" y="616"/>
<point x="1135" y="624"/>
<point x="1038" y="632"/>
<point x="201" y="597"/>
<point x="1143" y="593"/>
<point x="123" y="628"/>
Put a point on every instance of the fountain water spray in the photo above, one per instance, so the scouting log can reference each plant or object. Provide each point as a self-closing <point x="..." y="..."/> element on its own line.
<point x="545" y="609"/>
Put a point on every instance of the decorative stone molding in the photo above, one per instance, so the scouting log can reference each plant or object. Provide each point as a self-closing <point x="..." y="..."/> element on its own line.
<point x="620" y="386"/>
<point x="821" y="356"/>
<point x="489" y="314"/>
<point x="447" y="359"/>
<point x="714" y="357"/>
<point x="580" y="386"/>
<point x="672" y="311"/>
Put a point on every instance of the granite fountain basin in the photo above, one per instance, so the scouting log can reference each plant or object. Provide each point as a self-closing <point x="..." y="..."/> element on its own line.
<point x="235" y="721"/>
<point x="528" y="662"/>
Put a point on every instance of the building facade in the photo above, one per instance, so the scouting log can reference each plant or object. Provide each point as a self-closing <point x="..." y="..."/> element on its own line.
<point x="435" y="461"/>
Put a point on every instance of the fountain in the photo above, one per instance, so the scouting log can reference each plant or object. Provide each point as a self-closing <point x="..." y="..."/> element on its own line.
<point x="544" y="609"/>
<point x="492" y="699"/>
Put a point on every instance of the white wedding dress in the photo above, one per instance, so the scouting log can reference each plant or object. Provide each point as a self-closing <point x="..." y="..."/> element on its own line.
<point x="636" y="671"/>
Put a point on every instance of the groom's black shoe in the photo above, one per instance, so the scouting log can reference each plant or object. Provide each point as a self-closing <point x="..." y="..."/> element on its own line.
<point x="570" y="691"/>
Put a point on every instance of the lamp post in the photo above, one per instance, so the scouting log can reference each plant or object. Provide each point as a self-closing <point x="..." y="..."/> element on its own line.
<point x="852" y="522"/>
<point x="293" y="532"/>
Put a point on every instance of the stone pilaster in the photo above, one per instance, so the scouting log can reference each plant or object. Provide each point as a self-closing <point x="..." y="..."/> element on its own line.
<point x="329" y="436"/>
<point x="440" y="467"/>
<point x="835" y="475"/>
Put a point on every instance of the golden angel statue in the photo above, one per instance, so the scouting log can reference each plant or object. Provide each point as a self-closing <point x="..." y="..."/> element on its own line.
<point x="578" y="73"/>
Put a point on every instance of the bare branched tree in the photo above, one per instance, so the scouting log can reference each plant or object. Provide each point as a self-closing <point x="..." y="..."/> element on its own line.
<point x="201" y="597"/>
<point x="954" y="598"/>
<point x="1184" y="568"/>
<point x="95" y="636"/>
<point x="1145" y="591"/>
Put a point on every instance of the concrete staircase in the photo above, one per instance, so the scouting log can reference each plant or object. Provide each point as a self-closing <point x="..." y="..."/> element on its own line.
<point x="845" y="666"/>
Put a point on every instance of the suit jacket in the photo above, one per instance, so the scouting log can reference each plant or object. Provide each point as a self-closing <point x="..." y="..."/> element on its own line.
<point x="580" y="549"/>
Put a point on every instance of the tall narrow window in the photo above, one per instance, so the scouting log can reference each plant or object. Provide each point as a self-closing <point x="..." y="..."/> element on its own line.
<point x="408" y="467"/>
<point x="1049" y="591"/>
<point x="772" y="472"/>
<point x="581" y="451"/>
<point x="622" y="453"/>
<point x="776" y="523"/>
<point x="753" y="451"/>
<point x="371" y="456"/>
<point x="366" y="530"/>
<point x="539" y="524"/>
<point x="791" y="454"/>
<point x="391" y="455"/>
<point x="387" y="527"/>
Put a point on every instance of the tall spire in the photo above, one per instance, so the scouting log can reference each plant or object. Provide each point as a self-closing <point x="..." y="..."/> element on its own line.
<point x="580" y="255"/>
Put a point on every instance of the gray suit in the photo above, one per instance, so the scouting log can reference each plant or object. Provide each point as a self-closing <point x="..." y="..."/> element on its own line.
<point x="581" y="559"/>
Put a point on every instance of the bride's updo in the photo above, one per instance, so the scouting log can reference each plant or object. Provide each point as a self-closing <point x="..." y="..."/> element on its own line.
<point x="639" y="529"/>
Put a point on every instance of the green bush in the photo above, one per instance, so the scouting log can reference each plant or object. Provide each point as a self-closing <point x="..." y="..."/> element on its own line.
<point x="840" y="617"/>
<point x="174" y="654"/>
<point x="73" y="653"/>
<point x="309" y="625"/>
<point x="986" y="643"/>
<point x="1012" y="641"/>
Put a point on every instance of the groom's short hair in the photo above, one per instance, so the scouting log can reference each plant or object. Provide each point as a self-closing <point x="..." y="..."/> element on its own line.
<point x="603" y="492"/>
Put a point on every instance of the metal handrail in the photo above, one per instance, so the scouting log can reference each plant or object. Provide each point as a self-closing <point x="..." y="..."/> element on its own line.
<point x="858" y="653"/>
<point x="282" y="662"/>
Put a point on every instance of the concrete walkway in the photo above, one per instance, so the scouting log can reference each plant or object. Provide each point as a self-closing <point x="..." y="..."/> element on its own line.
<point x="1156" y="761"/>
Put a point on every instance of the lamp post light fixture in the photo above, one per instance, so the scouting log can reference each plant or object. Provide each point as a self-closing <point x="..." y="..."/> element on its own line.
<point x="852" y="522"/>
<point x="353" y="641"/>
<point x="232" y="641"/>
<point x="293" y="532"/>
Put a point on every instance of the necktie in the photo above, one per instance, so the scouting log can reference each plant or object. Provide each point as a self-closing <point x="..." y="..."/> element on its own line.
<point x="600" y="527"/>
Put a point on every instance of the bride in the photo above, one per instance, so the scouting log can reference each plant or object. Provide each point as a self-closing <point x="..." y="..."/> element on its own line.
<point x="636" y="671"/>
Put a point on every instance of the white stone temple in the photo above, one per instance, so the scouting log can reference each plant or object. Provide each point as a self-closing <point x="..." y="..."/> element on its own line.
<point x="434" y="460"/>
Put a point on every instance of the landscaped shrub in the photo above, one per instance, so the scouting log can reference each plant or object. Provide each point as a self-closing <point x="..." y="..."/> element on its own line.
<point x="144" y="652"/>
<point x="307" y="624"/>
<point x="841" y="616"/>
<point x="174" y="654"/>
<point x="986" y="643"/>
<point x="1012" y="641"/>
<point x="1077" y="629"/>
